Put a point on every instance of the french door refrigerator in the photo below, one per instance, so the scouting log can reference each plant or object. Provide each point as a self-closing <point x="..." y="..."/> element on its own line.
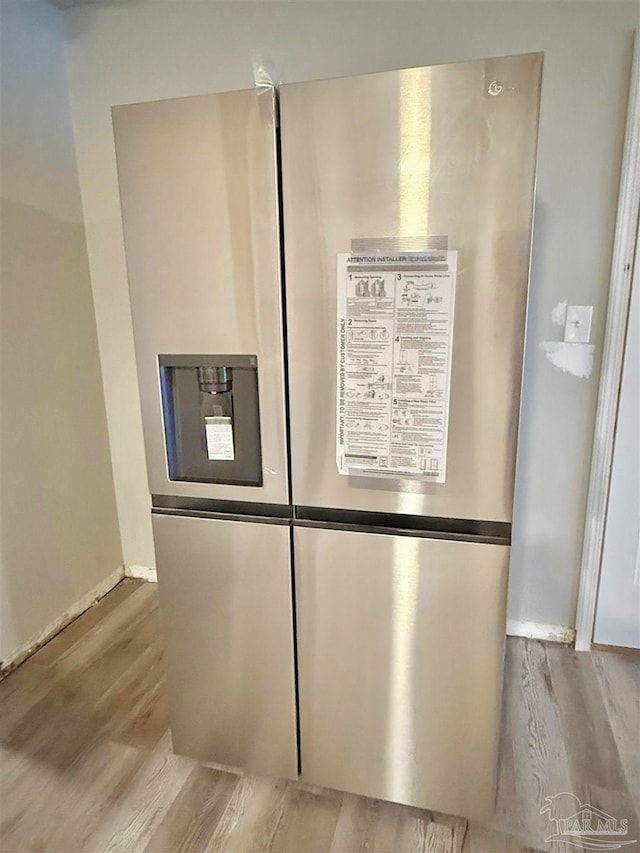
<point x="329" y="301"/>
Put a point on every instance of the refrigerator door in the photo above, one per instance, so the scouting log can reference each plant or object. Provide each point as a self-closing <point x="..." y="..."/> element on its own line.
<point x="225" y="596"/>
<point x="198" y="190"/>
<point x="441" y="151"/>
<point x="400" y="649"/>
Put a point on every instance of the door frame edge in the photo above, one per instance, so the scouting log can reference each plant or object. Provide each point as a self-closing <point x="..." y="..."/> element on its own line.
<point x="626" y="248"/>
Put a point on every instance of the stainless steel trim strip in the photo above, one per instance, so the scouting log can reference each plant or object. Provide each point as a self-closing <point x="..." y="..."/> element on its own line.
<point x="470" y="529"/>
<point x="215" y="507"/>
<point x="455" y="529"/>
<point x="220" y="516"/>
<point x="400" y="531"/>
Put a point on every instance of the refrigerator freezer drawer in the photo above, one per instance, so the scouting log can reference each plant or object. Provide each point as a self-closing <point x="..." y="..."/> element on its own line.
<point x="225" y="596"/>
<point x="400" y="649"/>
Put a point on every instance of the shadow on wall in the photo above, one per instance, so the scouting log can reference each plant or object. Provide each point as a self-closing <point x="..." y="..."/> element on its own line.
<point x="59" y="536"/>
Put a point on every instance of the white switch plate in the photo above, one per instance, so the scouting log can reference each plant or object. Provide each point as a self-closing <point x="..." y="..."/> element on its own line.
<point x="577" y="327"/>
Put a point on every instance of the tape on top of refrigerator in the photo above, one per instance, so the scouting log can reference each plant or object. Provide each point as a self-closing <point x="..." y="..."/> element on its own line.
<point x="396" y="300"/>
<point x="264" y="69"/>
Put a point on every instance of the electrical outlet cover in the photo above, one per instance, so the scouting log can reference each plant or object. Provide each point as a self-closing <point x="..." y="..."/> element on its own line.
<point x="577" y="327"/>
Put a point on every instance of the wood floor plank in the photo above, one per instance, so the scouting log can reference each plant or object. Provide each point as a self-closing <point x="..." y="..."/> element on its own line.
<point x="390" y="833"/>
<point x="506" y="824"/>
<point x="29" y="685"/>
<point x="130" y="689"/>
<point x="97" y="685"/>
<point x="458" y="827"/>
<point x="21" y="774"/>
<point x="68" y="810"/>
<point x="401" y="829"/>
<point x="191" y="820"/>
<point x="140" y="604"/>
<point x="357" y="825"/>
<point x="251" y="817"/>
<point x="506" y="806"/>
<point x="482" y="838"/>
<point x="541" y="766"/>
<point x="90" y="699"/>
<point x="584" y="718"/>
<point x="86" y="761"/>
<point x="54" y="732"/>
<point x="597" y="775"/>
<point x="618" y="678"/>
<point x="148" y="717"/>
<point x="110" y="778"/>
<point x="75" y="672"/>
<point x="308" y="821"/>
<point x="61" y="757"/>
<point x="138" y="808"/>
<point x="439" y="838"/>
<point x="79" y="629"/>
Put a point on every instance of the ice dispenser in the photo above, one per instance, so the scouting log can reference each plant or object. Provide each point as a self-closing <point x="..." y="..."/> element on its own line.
<point x="211" y="418"/>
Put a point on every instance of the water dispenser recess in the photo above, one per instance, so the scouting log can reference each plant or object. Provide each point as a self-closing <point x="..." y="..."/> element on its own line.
<point x="211" y="417"/>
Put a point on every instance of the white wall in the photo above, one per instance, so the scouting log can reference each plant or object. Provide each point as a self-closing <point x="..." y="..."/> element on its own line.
<point x="140" y="51"/>
<point x="59" y="535"/>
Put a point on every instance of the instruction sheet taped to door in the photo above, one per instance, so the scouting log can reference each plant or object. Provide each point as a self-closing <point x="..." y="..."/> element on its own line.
<point x="395" y="335"/>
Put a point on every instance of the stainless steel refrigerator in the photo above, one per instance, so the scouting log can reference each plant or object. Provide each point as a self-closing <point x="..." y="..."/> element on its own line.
<point x="328" y="288"/>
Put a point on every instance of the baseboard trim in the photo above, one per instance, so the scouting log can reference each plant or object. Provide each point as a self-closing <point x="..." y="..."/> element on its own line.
<point x="24" y="651"/>
<point x="145" y="573"/>
<point x="540" y="631"/>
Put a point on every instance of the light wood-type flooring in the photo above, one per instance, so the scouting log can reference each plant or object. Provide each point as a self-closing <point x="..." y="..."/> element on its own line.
<point x="87" y="762"/>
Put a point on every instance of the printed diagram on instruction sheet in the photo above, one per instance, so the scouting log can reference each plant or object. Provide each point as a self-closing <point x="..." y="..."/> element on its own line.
<point x="219" y="435"/>
<point x="395" y="335"/>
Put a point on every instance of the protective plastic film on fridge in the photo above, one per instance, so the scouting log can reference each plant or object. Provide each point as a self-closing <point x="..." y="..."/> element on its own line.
<point x="384" y="526"/>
